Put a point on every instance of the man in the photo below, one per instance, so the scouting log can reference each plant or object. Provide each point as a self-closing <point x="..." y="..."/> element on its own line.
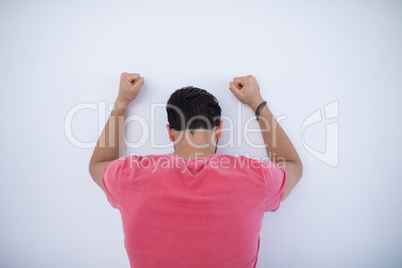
<point x="194" y="208"/>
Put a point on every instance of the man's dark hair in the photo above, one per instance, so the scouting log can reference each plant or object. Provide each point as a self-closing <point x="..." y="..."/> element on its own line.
<point x="198" y="108"/>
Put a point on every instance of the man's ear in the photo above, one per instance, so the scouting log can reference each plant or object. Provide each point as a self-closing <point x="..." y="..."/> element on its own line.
<point x="219" y="130"/>
<point x="170" y="132"/>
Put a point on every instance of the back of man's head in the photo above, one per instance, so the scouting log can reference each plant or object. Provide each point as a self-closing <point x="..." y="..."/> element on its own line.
<point x="193" y="108"/>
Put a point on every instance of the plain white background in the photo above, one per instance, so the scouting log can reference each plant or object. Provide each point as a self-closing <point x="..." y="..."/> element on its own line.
<point x="305" y="54"/>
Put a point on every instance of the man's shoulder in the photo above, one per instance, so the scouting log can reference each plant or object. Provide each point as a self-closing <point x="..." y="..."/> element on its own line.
<point x="220" y="157"/>
<point x="240" y="161"/>
<point x="138" y="157"/>
<point x="223" y="161"/>
<point x="243" y="158"/>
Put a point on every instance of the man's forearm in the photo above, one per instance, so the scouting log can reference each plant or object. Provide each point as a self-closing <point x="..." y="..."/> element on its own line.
<point x="279" y="147"/>
<point x="110" y="145"/>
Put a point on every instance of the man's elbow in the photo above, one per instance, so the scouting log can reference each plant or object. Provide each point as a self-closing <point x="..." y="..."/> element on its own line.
<point x="296" y="169"/>
<point x="300" y="170"/>
<point x="91" y="169"/>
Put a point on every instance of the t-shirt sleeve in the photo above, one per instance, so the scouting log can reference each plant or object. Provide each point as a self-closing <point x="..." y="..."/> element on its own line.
<point x="111" y="181"/>
<point x="276" y="179"/>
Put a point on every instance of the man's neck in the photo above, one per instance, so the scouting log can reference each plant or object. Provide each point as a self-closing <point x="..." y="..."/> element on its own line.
<point x="188" y="155"/>
<point x="192" y="146"/>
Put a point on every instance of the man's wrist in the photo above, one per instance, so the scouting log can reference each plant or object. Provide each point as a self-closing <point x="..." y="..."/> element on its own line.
<point x="120" y="104"/>
<point x="254" y="104"/>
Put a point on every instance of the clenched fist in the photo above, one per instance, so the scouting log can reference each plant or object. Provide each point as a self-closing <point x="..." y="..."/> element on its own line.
<point x="247" y="90"/>
<point x="130" y="85"/>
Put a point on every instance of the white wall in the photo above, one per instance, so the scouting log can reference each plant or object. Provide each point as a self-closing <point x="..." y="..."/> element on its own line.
<point x="305" y="55"/>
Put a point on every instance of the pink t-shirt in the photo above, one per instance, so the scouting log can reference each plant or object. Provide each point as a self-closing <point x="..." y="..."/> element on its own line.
<point x="201" y="213"/>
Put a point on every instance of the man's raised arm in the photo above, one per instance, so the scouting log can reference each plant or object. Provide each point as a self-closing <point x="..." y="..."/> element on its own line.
<point x="247" y="90"/>
<point x="110" y="145"/>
